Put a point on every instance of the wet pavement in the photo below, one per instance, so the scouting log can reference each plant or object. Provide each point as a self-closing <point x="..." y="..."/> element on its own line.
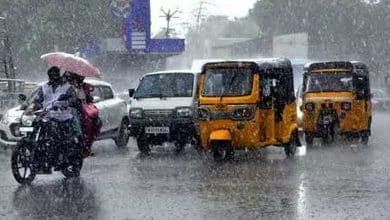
<point x="347" y="181"/>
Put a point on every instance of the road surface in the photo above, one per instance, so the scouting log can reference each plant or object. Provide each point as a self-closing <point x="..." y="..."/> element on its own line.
<point x="344" y="181"/>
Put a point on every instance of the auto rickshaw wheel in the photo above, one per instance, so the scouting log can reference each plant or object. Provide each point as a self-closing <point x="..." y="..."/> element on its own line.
<point x="309" y="139"/>
<point x="291" y="148"/>
<point x="222" y="150"/>
<point x="364" y="138"/>
<point x="180" y="145"/>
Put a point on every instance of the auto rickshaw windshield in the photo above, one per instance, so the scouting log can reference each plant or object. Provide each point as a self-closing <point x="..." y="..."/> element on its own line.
<point x="329" y="82"/>
<point x="228" y="82"/>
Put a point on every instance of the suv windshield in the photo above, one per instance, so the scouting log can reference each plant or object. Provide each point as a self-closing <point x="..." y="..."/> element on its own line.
<point x="228" y="82"/>
<point x="329" y="82"/>
<point x="165" y="85"/>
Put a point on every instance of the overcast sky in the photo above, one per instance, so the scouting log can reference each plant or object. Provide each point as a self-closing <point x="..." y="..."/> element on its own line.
<point x="231" y="8"/>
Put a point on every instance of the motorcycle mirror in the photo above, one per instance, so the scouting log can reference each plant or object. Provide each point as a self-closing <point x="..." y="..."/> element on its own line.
<point x="22" y="97"/>
<point x="131" y="92"/>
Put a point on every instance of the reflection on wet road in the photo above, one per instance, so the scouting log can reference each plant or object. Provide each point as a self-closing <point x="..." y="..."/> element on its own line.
<point x="324" y="182"/>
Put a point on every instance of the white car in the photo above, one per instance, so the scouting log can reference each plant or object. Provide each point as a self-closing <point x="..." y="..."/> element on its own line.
<point x="163" y="109"/>
<point x="113" y="112"/>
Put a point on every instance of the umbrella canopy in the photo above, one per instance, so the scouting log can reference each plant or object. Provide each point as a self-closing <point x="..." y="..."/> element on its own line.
<point x="71" y="63"/>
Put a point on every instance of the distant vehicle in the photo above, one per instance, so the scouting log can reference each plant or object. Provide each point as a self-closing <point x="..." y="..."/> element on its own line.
<point x="336" y="101"/>
<point x="162" y="109"/>
<point x="380" y="100"/>
<point x="113" y="112"/>
<point x="10" y="123"/>
<point x="10" y="89"/>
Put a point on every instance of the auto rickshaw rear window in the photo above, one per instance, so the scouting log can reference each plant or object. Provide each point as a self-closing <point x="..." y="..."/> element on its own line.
<point x="228" y="82"/>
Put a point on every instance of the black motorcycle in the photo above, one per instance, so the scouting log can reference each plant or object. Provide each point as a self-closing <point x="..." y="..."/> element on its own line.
<point x="48" y="143"/>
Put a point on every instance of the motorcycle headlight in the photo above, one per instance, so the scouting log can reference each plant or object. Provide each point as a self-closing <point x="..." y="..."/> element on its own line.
<point x="27" y="120"/>
<point x="136" y="113"/>
<point x="346" y="106"/>
<point x="244" y="112"/>
<point x="309" y="106"/>
<point x="184" y="112"/>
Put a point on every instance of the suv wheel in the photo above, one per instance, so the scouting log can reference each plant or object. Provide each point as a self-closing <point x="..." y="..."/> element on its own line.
<point x="124" y="134"/>
<point x="143" y="145"/>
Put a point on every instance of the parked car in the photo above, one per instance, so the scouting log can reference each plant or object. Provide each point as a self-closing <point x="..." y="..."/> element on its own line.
<point x="9" y="91"/>
<point x="11" y="121"/>
<point x="380" y="100"/>
<point x="112" y="111"/>
<point x="163" y="109"/>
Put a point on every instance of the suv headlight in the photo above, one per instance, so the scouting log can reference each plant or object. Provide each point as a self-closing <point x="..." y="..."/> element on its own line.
<point x="4" y="119"/>
<point x="136" y="113"/>
<point x="184" y="112"/>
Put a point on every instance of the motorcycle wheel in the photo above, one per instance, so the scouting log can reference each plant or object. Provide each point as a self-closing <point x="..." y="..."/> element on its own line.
<point x="22" y="165"/>
<point x="74" y="168"/>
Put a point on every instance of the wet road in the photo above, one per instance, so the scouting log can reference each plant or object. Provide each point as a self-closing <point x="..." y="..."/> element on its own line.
<point x="332" y="182"/>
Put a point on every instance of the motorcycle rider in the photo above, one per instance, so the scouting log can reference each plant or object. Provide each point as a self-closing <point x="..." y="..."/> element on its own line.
<point x="57" y="90"/>
<point x="87" y="111"/>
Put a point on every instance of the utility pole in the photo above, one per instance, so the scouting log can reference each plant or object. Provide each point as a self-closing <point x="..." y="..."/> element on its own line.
<point x="169" y="15"/>
<point x="6" y="62"/>
<point x="199" y="12"/>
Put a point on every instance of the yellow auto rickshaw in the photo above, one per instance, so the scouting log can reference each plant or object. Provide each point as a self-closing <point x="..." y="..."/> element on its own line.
<point x="246" y="105"/>
<point x="336" y="101"/>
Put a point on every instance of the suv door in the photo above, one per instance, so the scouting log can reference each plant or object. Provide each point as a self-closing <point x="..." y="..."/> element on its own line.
<point x="114" y="106"/>
<point x="97" y="95"/>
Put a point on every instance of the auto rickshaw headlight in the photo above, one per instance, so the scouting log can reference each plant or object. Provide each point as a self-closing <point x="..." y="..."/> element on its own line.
<point x="309" y="106"/>
<point x="244" y="112"/>
<point x="346" y="106"/>
<point x="136" y="113"/>
<point x="184" y="112"/>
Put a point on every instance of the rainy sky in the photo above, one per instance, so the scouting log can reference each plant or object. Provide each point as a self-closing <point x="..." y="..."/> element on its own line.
<point x="214" y="7"/>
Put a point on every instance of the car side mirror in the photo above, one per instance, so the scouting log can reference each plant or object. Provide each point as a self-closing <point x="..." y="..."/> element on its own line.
<point x="131" y="92"/>
<point x="22" y="98"/>
<point x="96" y="99"/>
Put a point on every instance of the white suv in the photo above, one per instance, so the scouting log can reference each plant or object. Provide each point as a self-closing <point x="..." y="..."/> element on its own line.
<point x="163" y="109"/>
<point x="112" y="111"/>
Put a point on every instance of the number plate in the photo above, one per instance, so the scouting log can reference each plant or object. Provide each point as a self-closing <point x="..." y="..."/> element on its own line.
<point x="26" y="129"/>
<point x="157" y="130"/>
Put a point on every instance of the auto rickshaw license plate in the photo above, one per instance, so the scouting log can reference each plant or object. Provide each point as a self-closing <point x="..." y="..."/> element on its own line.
<point x="157" y="130"/>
